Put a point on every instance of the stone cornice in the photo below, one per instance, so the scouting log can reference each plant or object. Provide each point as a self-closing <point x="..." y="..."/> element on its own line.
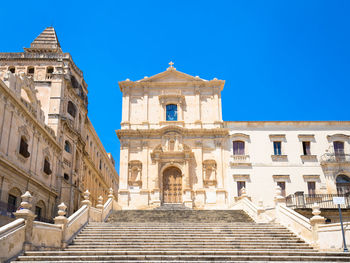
<point x="217" y="132"/>
<point x="200" y="84"/>
<point x="40" y="57"/>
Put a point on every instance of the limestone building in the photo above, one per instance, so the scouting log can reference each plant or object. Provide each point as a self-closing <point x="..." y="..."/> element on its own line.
<point x="47" y="143"/>
<point x="175" y="148"/>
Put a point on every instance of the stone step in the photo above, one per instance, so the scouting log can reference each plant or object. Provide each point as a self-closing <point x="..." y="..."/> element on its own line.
<point x="219" y="234"/>
<point x="210" y="257"/>
<point x="188" y="248"/>
<point x="186" y="238"/>
<point x="182" y="261"/>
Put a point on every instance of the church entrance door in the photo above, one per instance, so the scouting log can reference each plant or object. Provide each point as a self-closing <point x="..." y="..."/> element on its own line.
<point x="172" y="185"/>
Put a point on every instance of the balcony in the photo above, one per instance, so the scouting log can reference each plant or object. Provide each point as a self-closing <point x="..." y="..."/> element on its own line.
<point x="332" y="158"/>
<point x="301" y="200"/>
<point x="240" y="160"/>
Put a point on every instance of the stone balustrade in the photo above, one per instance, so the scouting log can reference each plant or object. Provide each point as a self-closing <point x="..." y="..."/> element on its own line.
<point x="25" y="234"/>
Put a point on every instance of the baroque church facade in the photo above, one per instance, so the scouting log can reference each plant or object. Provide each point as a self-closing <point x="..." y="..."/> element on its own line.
<point x="176" y="148"/>
<point x="48" y="145"/>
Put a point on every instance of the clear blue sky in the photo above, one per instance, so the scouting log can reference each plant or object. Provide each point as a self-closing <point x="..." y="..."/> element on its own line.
<point x="282" y="60"/>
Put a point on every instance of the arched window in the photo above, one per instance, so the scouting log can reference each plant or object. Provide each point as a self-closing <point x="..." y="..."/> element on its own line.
<point x="343" y="184"/>
<point x="23" y="147"/>
<point x="238" y="148"/>
<point x="47" y="168"/>
<point x="12" y="69"/>
<point x="67" y="147"/>
<point x="71" y="109"/>
<point x="171" y="112"/>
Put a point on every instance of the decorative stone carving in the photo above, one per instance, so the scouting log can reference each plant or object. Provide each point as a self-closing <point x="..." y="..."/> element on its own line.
<point x="135" y="172"/>
<point x="209" y="173"/>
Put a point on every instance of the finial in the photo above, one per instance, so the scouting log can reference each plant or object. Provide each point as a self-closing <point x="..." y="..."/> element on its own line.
<point x="171" y="66"/>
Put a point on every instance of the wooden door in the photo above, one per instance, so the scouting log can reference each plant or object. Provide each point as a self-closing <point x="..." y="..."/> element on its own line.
<point x="172" y="186"/>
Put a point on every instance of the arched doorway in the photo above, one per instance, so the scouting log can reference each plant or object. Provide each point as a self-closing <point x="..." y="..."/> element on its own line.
<point x="172" y="185"/>
<point x="343" y="184"/>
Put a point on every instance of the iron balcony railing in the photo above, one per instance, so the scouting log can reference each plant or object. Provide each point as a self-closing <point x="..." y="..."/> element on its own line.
<point x="335" y="158"/>
<point x="301" y="200"/>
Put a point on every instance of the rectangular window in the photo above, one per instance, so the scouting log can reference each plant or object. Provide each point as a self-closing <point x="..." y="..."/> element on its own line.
<point x="306" y="148"/>
<point x="240" y="185"/>
<point x="11" y="203"/>
<point x="23" y="148"/>
<point x="238" y="148"/>
<point x="38" y="213"/>
<point x="277" y="148"/>
<point x="311" y="187"/>
<point x="283" y="187"/>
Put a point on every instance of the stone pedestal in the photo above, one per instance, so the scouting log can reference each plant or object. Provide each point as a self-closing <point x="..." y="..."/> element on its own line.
<point x="199" y="198"/>
<point x="187" y="198"/>
<point x="220" y="197"/>
<point x="123" y="198"/>
<point x="155" y="197"/>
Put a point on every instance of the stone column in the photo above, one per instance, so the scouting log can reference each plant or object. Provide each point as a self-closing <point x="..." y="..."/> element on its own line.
<point x="25" y="213"/>
<point x="279" y="199"/>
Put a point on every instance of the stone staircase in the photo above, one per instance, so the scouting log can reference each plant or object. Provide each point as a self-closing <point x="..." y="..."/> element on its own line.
<point x="183" y="236"/>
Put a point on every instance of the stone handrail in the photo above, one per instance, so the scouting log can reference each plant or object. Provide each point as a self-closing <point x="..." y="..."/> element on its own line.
<point x="108" y="206"/>
<point x="95" y="214"/>
<point x="12" y="238"/>
<point x="75" y="222"/>
<point x="256" y="213"/>
<point x="298" y="224"/>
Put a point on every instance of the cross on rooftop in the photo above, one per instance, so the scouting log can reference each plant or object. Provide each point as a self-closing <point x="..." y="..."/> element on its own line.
<point x="171" y="64"/>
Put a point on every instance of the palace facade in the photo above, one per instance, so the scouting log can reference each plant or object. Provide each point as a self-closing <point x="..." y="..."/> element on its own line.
<point x="47" y="142"/>
<point x="175" y="148"/>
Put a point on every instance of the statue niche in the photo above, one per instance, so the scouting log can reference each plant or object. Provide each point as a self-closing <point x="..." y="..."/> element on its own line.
<point x="135" y="172"/>
<point x="209" y="173"/>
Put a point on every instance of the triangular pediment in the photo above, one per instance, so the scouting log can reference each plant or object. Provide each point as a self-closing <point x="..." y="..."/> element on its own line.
<point x="171" y="75"/>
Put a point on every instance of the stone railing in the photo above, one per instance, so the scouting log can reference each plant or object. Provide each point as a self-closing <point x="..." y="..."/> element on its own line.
<point x="257" y="213"/>
<point x="326" y="237"/>
<point x="25" y="234"/>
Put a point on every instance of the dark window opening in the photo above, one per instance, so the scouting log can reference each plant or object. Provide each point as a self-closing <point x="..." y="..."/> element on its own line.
<point x="67" y="147"/>
<point x="306" y="148"/>
<point x="311" y="187"/>
<point x="47" y="168"/>
<point x="38" y="213"/>
<point x="277" y="148"/>
<point x="283" y="187"/>
<point x="30" y="71"/>
<point x="49" y="70"/>
<point x="240" y="186"/>
<point x="171" y="112"/>
<point x="238" y="148"/>
<point x="343" y="184"/>
<point x="23" y="148"/>
<point x="12" y="203"/>
<point x="71" y="109"/>
<point x="66" y="177"/>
